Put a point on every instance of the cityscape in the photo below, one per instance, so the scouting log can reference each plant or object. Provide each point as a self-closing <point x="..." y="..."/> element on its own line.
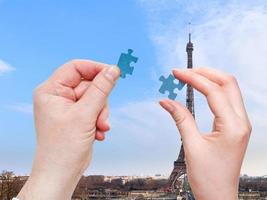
<point x="130" y="187"/>
<point x="228" y="36"/>
<point x="172" y="187"/>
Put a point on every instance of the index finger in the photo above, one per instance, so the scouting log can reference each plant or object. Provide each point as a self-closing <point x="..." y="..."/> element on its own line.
<point x="71" y="73"/>
<point x="217" y="100"/>
<point x="230" y="84"/>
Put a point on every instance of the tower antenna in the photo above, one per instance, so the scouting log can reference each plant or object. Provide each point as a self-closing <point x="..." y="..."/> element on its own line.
<point x="189" y="31"/>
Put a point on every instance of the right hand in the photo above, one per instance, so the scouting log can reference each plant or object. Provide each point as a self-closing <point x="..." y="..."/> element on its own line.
<point x="213" y="160"/>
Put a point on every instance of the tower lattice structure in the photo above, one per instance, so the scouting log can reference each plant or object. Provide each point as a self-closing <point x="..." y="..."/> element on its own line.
<point x="179" y="169"/>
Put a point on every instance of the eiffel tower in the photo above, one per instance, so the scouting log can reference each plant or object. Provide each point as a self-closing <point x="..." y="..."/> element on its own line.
<point x="180" y="165"/>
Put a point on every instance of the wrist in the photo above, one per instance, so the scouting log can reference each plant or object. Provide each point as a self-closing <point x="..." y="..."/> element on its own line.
<point x="44" y="185"/>
<point x="229" y="193"/>
<point x="49" y="180"/>
<point x="212" y="196"/>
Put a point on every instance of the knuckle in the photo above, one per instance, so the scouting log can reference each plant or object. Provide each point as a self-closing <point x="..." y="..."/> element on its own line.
<point x="247" y="129"/>
<point x="72" y="61"/>
<point x="216" y="90"/>
<point x="243" y="133"/>
<point x="231" y="79"/>
<point x="178" y="118"/>
<point x="100" y="88"/>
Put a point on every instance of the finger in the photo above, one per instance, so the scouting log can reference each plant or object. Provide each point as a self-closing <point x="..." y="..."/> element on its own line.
<point x="71" y="73"/>
<point x="102" y="122"/>
<point x="230" y="86"/>
<point x="217" y="100"/>
<point x="183" y="120"/>
<point x="100" y="136"/>
<point x="80" y="89"/>
<point x="95" y="97"/>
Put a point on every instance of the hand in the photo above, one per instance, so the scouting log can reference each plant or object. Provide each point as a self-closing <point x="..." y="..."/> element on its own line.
<point x="70" y="111"/>
<point x="213" y="160"/>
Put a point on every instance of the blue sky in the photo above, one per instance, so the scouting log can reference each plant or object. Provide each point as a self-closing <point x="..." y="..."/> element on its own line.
<point x="38" y="36"/>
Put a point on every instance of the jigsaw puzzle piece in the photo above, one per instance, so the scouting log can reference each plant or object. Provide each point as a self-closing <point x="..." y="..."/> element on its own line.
<point x="172" y="95"/>
<point x="125" y="61"/>
<point x="169" y="85"/>
<point x="164" y="87"/>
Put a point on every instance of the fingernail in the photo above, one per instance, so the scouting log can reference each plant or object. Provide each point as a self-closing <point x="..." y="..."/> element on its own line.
<point x="112" y="73"/>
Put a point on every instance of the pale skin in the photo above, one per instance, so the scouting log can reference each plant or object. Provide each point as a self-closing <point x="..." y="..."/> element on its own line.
<point x="71" y="112"/>
<point x="213" y="159"/>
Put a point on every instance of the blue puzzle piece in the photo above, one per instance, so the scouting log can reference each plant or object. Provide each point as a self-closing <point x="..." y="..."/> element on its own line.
<point x="169" y="85"/>
<point x="125" y="61"/>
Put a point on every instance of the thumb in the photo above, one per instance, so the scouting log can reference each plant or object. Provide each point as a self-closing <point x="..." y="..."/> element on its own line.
<point x="95" y="97"/>
<point x="183" y="120"/>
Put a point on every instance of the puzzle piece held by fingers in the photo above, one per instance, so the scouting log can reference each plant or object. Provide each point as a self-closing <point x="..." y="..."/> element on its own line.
<point x="169" y="85"/>
<point x="125" y="61"/>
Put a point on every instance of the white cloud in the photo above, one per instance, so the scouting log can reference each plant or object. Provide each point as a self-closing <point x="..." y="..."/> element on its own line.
<point x="229" y="35"/>
<point x="5" y="67"/>
<point x="26" y="108"/>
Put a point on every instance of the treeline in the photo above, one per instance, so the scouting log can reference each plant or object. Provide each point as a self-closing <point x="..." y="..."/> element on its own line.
<point x="10" y="185"/>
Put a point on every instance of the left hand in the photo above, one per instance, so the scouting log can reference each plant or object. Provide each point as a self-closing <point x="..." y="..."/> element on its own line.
<point x="70" y="111"/>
